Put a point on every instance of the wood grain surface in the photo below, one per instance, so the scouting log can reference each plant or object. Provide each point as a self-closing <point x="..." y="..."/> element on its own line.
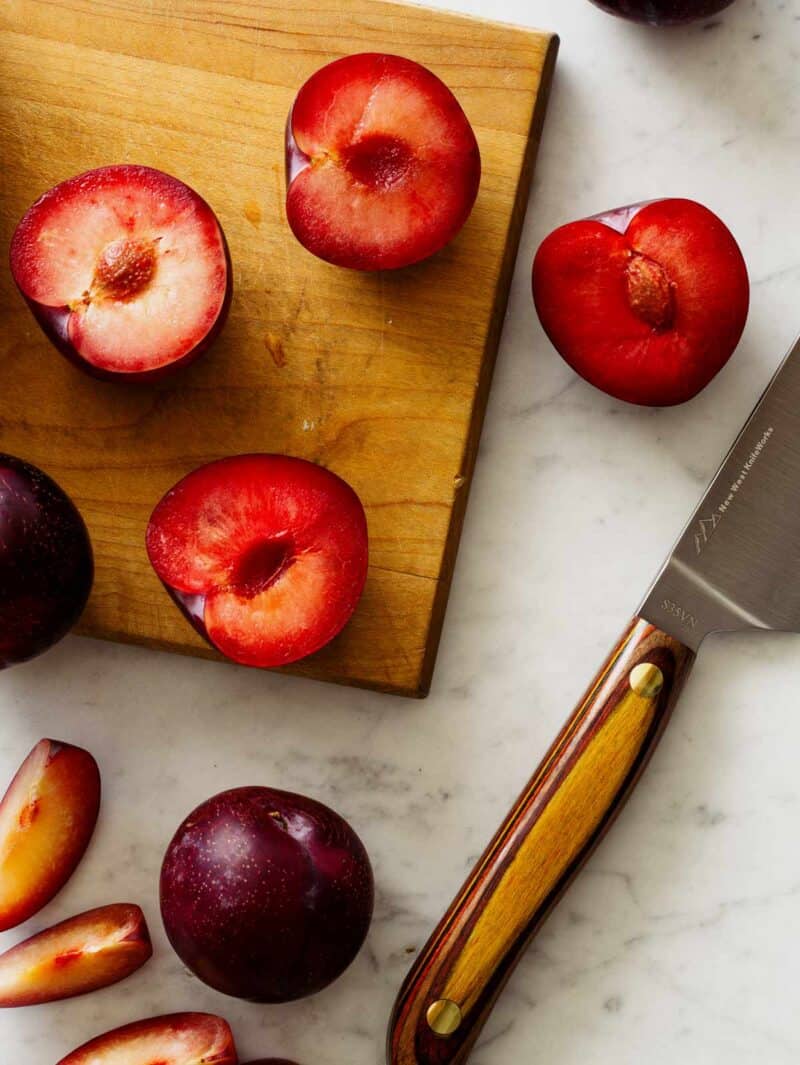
<point x="571" y="801"/>
<point x="383" y="378"/>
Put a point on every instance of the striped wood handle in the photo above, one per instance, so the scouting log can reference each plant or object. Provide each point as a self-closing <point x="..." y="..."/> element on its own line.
<point x="573" y="798"/>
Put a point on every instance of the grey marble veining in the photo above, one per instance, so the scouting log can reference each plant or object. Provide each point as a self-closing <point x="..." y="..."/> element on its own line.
<point x="678" y="944"/>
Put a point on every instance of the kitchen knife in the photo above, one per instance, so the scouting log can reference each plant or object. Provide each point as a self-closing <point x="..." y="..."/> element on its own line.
<point x="736" y="566"/>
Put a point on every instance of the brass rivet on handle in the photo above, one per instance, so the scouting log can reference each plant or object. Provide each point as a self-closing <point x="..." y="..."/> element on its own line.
<point x="444" y="1017"/>
<point x="647" y="680"/>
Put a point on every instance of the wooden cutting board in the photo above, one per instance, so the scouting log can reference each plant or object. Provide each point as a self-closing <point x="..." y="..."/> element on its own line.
<point x="382" y="378"/>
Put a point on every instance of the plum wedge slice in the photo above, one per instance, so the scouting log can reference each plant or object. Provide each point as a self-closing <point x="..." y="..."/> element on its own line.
<point x="126" y="270"/>
<point x="87" y="952"/>
<point x="47" y="818"/>
<point x="174" y="1039"/>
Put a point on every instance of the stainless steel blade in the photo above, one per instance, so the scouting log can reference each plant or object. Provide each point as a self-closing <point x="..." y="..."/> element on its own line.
<point x="737" y="562"/>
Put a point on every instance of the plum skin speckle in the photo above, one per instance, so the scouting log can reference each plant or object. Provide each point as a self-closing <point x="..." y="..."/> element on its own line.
<point x="266" y="895"/>
<point x="647" y="302"/>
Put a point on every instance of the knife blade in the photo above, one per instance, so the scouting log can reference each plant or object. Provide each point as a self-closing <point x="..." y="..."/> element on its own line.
<point x="735" y="566"/>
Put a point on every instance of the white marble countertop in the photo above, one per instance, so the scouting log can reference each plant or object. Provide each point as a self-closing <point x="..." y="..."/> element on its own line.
<point x="679" y="941"/>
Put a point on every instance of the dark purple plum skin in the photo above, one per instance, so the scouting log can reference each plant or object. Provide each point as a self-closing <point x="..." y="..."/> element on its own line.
<point x="266" y="895"/>
<point x="53" y="322"/>
<point x="271" y="1061"/>
<point x="46" y="564"/>
<point x="663" y="12"/>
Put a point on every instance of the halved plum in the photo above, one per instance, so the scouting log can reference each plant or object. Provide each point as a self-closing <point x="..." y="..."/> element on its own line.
<point x="382" y="165"/>
<point x="646" y="302"/>
<point x="126" y="269"/>
<point x="174" y="1039"/>
<point x="265" y="554"/>
<point x="47" y="818"/>
<point x="87" y="952"/>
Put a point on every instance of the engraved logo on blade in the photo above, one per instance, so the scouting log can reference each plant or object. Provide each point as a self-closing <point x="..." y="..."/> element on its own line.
<point x="685" y="618"/>
<point x="707" y="526"/>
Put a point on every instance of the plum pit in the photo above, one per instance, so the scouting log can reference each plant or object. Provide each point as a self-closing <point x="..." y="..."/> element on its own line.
<point x="650" y="292"/>
<point x="125" y="268"/>
<point x="378" y="160"/>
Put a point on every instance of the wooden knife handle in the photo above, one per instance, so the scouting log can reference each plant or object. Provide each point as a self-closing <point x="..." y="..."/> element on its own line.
<point x="559" y="819"/>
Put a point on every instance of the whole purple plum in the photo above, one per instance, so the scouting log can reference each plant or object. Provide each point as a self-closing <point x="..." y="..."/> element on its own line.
<point x="46" y="566"/>
<point x="663" y="12"/>
<point x="266" y="895"/>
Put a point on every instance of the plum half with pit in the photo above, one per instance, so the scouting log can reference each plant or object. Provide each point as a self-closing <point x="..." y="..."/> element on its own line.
<point x="266" y="555"/>
<point x="126" y="270"/>
<point x="382" y="164"/>
<point x="663" y="12"/>
<point x="46" y="565"/>
<point x="266" y="895"/>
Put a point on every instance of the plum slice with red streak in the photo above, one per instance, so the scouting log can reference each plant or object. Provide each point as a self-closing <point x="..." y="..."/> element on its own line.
<point x="266" y="554"/>
<point x="647" y="302"/>
<point x="47" y="818"/>
<point x="87" y="952"/>
<point x="126" y="269"/>
<point x="174" y="1039"/>
<point x="383" y="167"/>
